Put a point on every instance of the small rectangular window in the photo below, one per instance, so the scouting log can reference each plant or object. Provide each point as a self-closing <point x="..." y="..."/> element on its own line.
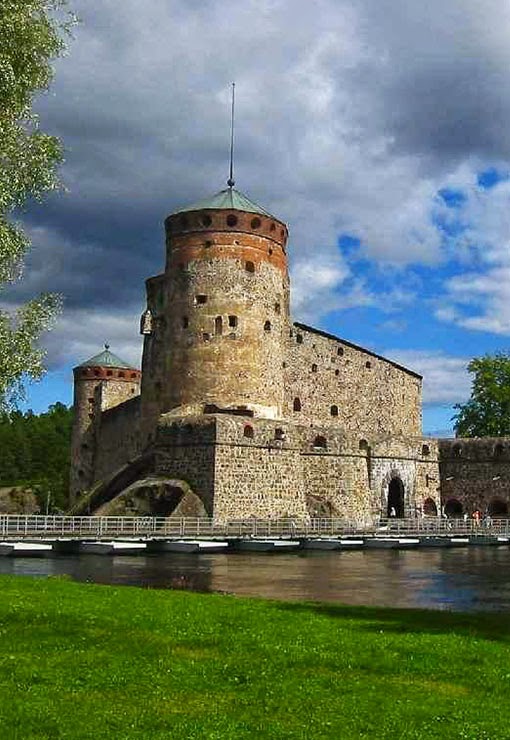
<point x="200" y="300"/>
<point x="232" y="321"/>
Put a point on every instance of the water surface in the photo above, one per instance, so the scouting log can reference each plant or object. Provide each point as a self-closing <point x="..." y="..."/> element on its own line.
<point x="460" y="579"/>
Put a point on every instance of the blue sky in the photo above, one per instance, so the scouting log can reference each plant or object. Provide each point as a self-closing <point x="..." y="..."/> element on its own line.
<point x="377" y="131"/>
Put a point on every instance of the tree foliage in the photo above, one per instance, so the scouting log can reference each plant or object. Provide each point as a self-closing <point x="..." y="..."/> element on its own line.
<point x="487" y="413"/>
<point x="32" y="35"/>
<point x="36" y="453"/>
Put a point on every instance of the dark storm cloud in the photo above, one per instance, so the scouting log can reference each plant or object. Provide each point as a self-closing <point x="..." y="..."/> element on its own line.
<point x="351" y="115"/>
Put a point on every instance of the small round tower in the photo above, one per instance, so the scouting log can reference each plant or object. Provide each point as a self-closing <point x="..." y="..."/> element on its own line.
<point x="219" y="313"/>
<point x="100" y="383"/>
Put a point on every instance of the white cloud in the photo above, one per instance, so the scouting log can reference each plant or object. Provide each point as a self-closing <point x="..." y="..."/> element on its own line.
<point x="445" y="378"/>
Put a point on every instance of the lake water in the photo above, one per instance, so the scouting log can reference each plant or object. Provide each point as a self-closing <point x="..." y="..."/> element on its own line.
<point x="461" y="579"/>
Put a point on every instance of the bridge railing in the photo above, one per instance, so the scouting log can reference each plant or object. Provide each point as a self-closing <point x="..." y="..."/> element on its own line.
<point x="104" y="527"/>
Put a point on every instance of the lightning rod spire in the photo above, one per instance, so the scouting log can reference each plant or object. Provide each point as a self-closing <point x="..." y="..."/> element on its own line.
<point x="231" y="181"/>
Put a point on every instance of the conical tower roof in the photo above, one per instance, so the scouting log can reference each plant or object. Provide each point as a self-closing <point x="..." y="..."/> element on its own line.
<point x="228" y="199"/>
<point x="106" y="359"/>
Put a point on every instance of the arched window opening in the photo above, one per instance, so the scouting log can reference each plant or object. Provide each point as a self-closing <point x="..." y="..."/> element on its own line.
<point x="279" y="434"/>
<point x="453" y="508"/>
<point x="248" y="431"/>
<point x="429" y="507"/>
<point x="314" y="368"/>
<point x="255" y="223"/>
<point x="297" y="404"/>
<point x="363" y="444"/>
<point x="232" y="322"/>
<point x="267" y="326"/>
<point x="249" y="266"/>
<point x="340" y="351"/>
<point x="299" y="338"/>
<point x="109" y="373"/>
<point x="425" y="450"/>
<point x="498" y="508"/>
<point x="231" y="220"/>
<point x="270" y="251"/>
<point x="121" y="374"/>
<point x="218" y="326"/>
<point x="206" y="220"/>
<point x="395" y="499"/>
<point x="97" y="373"/>
<point x="320" y="442"/>
<point x="337" y="372"/>
<point x="368" y="364"/>
<point x="334" y="410"/>
<point x="133" y="375"/>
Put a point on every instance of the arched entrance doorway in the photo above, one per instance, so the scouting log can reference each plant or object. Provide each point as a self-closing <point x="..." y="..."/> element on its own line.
<point x="429" y="507"/>
<point x="395" y="499"/>
<point x="498" y="508"/>
<point x="453" y="507"/>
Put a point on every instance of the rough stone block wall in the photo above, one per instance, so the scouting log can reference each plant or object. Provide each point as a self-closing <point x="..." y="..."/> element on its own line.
<point x="340" y="384"/>
<point x="118" y="437"/>
<point x="476" y="474"/>
<point x="185" y="450"/>
<point x="258" y="476"/>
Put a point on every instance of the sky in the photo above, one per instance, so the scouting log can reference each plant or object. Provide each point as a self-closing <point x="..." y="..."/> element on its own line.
<point x="376" y="129"/>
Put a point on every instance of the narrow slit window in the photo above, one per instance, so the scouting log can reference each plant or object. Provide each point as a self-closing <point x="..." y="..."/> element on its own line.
<point x="297" y="404"/>
<point x="267" y="326"/>
<point x="334" y="410"/>
<point x="218" y="326"/>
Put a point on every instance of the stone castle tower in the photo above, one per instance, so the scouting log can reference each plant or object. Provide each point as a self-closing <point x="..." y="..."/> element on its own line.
<point x="217" y="318"/>
<point x="100" y="383"/>
<point x="239" y="412"/>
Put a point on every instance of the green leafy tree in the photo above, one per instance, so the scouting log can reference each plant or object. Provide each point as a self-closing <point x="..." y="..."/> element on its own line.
<point x="487" y="413"/>
<point x="32" y="35"/>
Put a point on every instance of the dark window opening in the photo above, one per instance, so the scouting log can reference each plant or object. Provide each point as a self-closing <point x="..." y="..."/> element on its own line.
<point x="255" y="223"/>
<point x="231" y="220"/>
<point x="211" y="408"/>
<point x="368" y="364"/>
<point x="340" y="351"/>
<point x="498" y="508"/>
<point x="284" y="365"/>
<point x="218" y="326"/>
<point x="314" y="368"/>
<point x="363" y="444"/>
<point x="272" y="227"/>
<point x="185" y="322"/>
<point x="206" y="220"/>
<point x="96" y="372"/>
<point x="248" y="431"/>
<point x="121" y="374"/>
<point x="208" y="243"/>
<point x="91" y="400"/>
<point x="81" y="473"/>
<point x="453" y="508"/>
<point x="425" y="450"/>
<point x="297" y="404"/>
<point x="277" y="308"/>
<point x="282" y="233"/>
<point x="109" y="373"/>
<point x="429" y="507"/>
<point x="249" y="267"/>
<point x="299" y="338"/>
<point x="232" y="321"/>
<point x="133" y="375"/>
<point x="200" y="300"/>
<point x="320" y="442"/>
<point x="337" y="372"/>
<point x="206" y="337"/>
<point x="270" y="251"/>
<point x="334" y="410"/>
<point x="279" y="434"/>
<point x="84" y="446"/>
<point x="267" y="326"/>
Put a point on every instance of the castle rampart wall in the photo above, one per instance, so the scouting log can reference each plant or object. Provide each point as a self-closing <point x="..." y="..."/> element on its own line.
<point x="475" y="474"/>
<point x="118" y="437"/>
<point x="330" y="381"/>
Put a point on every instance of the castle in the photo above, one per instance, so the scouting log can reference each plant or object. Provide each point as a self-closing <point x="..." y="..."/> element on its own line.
<point x="238" y="412"/>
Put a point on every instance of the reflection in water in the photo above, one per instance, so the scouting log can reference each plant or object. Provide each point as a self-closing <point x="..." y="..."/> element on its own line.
<point x="461" y="579"/>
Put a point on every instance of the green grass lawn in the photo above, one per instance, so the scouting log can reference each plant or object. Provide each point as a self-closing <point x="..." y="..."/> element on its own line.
<point x="88" y="661"/>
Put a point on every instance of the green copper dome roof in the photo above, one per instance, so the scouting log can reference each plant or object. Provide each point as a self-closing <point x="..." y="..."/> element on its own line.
<point x="106" y="359"/>
<point x="230" y="198"/>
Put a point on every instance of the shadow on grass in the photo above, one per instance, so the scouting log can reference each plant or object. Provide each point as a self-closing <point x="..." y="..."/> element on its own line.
<point x="494" y="626"/>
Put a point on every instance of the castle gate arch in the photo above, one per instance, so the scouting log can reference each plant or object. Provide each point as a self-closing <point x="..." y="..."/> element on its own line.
<point x="498" y="508"/>
<point x="395" y="507"/>
<point x="453" y="507"/>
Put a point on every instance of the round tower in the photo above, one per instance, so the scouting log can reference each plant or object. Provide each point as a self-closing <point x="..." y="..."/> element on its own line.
<point x="219" y="313"/>
<point x="100" y="383"/>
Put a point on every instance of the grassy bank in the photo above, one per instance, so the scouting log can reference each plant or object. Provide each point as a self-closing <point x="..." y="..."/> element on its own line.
<point x="86" y="661"/>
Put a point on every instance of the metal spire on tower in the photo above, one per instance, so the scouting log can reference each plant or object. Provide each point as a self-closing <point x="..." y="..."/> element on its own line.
<point x="231" y="181"/>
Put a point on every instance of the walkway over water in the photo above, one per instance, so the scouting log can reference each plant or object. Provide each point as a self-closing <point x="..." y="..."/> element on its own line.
<point x="33" y="527"/>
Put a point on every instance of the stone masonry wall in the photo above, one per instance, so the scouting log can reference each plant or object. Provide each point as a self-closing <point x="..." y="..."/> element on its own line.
<point x="336" y="383"/>
<point x="475" y="474"/>
<point x="118" y="437"/>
